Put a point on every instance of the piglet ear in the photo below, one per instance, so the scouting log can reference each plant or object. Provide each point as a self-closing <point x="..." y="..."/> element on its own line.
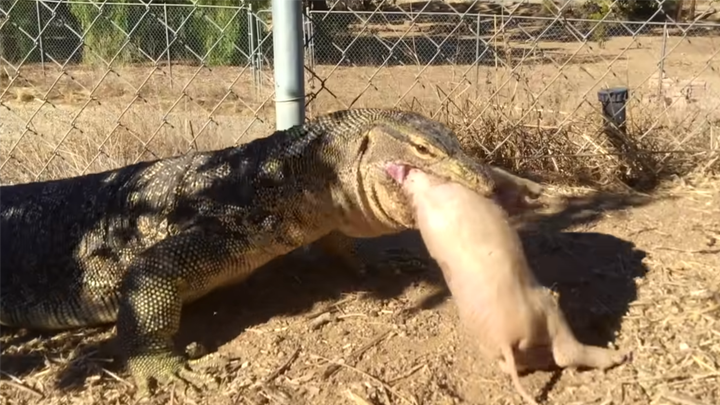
<point x="397" y="171"/>
<point x="509" y="199"/>
<point x="513" y="193"/>
<point x="514" y="200"/>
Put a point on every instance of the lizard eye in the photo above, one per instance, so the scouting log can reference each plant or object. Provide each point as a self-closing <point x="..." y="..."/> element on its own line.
<point x="423" y="150"/>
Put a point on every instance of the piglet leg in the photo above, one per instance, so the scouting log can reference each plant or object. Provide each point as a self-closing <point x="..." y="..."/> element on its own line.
<point x="568" y="352"/>
<point x="508" y="366"/>
<point x="571" y="353"/>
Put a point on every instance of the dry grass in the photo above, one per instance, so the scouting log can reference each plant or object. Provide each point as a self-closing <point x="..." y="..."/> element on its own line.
<point x="540" y="120"/>
<point x="641" y="272"/>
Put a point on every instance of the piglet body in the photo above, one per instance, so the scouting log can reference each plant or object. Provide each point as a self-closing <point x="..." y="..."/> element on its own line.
<point x="499" y="301"/>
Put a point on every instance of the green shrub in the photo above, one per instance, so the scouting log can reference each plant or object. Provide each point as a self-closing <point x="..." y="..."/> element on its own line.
<point x="102" y="30"/>
<point x="642" y="10"/>
<point x="634" y="10"/>
<point x="602" y="8"/>
<point x="19" y="33"/>
<point x="217" y="34"/>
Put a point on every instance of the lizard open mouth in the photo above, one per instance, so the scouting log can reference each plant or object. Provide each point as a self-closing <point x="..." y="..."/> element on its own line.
<point x="398" y="171"/>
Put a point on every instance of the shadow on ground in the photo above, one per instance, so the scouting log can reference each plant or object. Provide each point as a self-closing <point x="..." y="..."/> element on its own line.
<point x="593" y="272"/>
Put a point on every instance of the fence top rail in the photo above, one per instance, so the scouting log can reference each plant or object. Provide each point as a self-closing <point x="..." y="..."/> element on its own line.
<point x="147" y="4"/>
<point x="520" y="17"/>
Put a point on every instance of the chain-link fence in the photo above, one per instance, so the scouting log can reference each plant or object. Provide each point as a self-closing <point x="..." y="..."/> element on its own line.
<point x="88" y="86"/>
<point x="93" y="85"/>
<point x="519" y="83"/>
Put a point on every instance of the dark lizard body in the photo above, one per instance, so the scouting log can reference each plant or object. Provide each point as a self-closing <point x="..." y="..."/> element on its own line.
<point x="132" y="245"/>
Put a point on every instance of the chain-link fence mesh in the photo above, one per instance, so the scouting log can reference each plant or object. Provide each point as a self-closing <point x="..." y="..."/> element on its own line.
<point x="88" y="86"/>
<point x="93" y="85"/>
<point x="519" y="82"/>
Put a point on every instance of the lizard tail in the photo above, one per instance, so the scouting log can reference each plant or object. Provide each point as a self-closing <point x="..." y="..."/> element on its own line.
<point x="511" y="368"/>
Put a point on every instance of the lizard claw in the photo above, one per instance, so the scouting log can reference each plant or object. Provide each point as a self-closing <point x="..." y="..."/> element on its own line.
<point x="166" y="369"/>
<point x="195" y="379"/>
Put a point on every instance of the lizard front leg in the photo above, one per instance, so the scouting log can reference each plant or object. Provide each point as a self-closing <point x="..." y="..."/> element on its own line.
<point x="151" y="302"/>
<point x="342" y="247"/>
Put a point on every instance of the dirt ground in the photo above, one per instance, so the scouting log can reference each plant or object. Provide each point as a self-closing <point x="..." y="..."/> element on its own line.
<point x="638" y="271"/>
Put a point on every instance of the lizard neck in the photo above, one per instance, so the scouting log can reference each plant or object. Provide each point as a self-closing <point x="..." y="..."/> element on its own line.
<point x="288" y="189"/>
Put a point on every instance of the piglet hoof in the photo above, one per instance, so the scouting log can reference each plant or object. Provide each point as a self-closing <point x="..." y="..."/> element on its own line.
<point x="617" y="358"/>
<point x="508" y="368"/>
<point x="591" y="357"/>
<point x="607" y="358"/>
<point x="505" y="367"/>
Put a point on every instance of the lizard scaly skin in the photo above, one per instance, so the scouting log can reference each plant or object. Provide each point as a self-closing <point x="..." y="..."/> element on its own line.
<point x="132" y="245"/>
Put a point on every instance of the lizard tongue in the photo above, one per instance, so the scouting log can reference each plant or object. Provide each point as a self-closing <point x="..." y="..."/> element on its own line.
<point x="397" y="171"/>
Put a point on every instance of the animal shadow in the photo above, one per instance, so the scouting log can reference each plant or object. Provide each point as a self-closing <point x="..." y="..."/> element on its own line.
<point x="594" y="274"/>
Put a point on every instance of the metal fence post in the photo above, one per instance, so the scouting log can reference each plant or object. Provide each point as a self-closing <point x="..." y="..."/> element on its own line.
<point x="167" y="44"/>
<point x="495" y="48"/>
<point x="252" y="47"/>
<point x="310" y="40"/>
<point x="477" y="55"/>
<point x="309" y="50"/>
<point x="613" y="102"/>
<point x="614" y="113"/>
<point x="288" y="63"/>
<point x="39" y="37"/>
<point x="663" y="51"/>
<point x="257" y="38"/>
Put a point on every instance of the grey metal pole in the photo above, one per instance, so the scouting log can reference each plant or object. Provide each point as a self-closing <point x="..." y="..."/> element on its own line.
<point x="663" y="55"/>
<point x="251" y="47"/>
<point x="288" y="65"/>
<point x="309" y="33"/>
<point x="477" y="55"/>
<point x="39" y="38"/>
<point x="167" y="44"/>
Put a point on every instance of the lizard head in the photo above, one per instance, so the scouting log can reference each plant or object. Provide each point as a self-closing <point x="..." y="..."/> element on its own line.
<point x="401" y="141"/>
<point x="373" y="150"/>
